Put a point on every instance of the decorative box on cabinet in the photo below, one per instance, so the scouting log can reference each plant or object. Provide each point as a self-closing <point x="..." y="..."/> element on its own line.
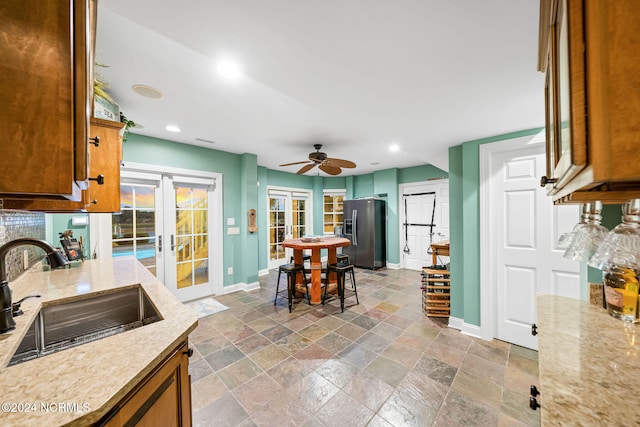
<point x="436" y="286"/>
<point x="588" y="49"/>
<point x="105" y="156"/>
<point x="46" y="81"/>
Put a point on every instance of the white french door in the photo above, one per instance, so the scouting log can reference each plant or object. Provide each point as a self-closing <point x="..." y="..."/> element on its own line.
<point x="289" y="218"/>
<point x="171" y="224"/>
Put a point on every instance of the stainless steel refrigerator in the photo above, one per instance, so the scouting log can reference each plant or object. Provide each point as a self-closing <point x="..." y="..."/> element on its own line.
<point x="365" y="226"/>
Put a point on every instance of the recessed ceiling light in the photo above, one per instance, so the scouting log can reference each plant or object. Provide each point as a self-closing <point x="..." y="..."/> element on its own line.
<point x="394" y="148"/>
<point x="147" y="91"/>
<point x="172" y="128"/>
<point x="374" y="163"/>
<point x="229" y="69"/>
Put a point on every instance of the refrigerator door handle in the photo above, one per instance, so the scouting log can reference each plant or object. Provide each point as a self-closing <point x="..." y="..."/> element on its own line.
<point x="355" y="227"/>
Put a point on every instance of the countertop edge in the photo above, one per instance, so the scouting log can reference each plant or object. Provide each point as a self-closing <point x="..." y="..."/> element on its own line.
<point x="100" y="373"/>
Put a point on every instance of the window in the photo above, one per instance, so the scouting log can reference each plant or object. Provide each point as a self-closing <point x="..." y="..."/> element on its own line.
<point x="333" y="209"/>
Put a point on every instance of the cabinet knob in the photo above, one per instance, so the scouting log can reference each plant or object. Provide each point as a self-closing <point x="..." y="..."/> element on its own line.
<point x="533" y="403"/>
<point x="189" y="352"/>
<point x="95" y="141"/>
<point x="534" y="329"/>
<point x="534" y="391"/>
<point x="544" y="181"/>
<point x="99" y="179"/>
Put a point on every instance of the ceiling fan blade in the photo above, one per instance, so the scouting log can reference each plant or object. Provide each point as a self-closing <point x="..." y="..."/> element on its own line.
<point x="341" y="163"/>
<point x="306" y="168"/>
<point x="295" y="163"/>
<point x="331" y="170"/>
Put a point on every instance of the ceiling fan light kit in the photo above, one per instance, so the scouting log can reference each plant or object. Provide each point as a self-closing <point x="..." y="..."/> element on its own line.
<point x="326" y="164"/>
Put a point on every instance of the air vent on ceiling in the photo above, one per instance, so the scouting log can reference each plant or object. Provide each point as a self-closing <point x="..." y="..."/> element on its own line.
<point x="208" y="141"/>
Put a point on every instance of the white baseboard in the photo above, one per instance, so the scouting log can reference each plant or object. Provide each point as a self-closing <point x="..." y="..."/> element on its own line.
<point x="456" y="323"/>
<point x="252" y="286"/>
<point x="465" y="328"/>
<point x="393" y="266"/>
<point x="240" y="287"/>
<point x="472" y="330"/>
<point x="264" y="272"/>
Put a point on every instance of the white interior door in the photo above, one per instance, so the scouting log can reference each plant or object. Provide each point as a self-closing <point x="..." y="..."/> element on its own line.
<point x="423" y="204"/>
<point x="525" y="226"/>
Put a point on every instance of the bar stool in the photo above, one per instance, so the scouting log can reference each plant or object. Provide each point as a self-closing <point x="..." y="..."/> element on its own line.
<point x="341" y="271"/>
<point x="291" y="270"/>
<point x="344" y="259"/>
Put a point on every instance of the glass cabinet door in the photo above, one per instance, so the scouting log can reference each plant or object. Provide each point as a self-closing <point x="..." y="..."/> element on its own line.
<point x="566" y="107"/>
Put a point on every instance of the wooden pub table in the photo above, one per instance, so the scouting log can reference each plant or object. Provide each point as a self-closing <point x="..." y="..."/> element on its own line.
<point x="316" y="245"/>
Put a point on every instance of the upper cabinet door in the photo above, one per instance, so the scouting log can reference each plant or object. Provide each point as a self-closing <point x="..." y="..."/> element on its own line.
<point x="589" y="50"/>
<point x="45" y="87"/>
<point x="565" y="96"/>
<point x="568" y="59"/>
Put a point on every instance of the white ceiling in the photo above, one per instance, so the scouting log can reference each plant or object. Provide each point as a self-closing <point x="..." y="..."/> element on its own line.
<point x="353" y="75"/>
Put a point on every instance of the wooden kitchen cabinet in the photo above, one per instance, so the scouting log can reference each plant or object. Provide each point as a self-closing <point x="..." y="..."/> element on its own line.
<point x="104" y="159"/>
<point x="162" y="398"/>
<point x="46" y="84"/>
<point x="588" y="50"/>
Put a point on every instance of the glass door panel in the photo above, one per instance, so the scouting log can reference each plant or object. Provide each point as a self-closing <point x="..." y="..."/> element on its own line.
<point x="134" y="227"/>
<point x="191" y="234"/>
<point x="298" y="214"/>
<point x="289" y="214"/>
<point x="277" y="231"/>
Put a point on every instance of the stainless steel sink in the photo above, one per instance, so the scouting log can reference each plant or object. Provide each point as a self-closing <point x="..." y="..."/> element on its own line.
<point x="69" y="324"/>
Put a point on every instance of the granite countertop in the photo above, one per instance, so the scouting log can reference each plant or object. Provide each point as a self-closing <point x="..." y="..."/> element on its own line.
<point x="589" y="365"/>
<point x="80" y="385"/>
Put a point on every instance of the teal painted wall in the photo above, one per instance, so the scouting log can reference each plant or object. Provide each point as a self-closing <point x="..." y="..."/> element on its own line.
<point x="249" y="246"/>
<point x="263" y="235"/>
<point x="57" y="223"/>
<point x="362" y="186"/>
<point x="456" y="236"/>
<point x="468" y="226"/>
<point x="385" y="185"/>
<point x="335" y="183"/>
<point x="286" y="179"/>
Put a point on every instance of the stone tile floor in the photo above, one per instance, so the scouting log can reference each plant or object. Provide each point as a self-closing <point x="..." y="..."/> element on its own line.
<point x="380" y="363"/>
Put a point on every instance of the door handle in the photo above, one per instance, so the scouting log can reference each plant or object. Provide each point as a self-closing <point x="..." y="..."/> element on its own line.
<point x="173" y="243"/>
<point x="159" y="243"/>
<point x="355" y="227"/>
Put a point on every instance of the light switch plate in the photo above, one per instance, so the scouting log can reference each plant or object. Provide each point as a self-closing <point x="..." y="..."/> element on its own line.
<point x="233" y="230"/>
<point x="78" y="221"/>
<point x="231" y="221"/>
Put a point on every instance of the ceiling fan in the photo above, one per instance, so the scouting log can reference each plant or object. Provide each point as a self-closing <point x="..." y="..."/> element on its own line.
<point x="325" y="164"/>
